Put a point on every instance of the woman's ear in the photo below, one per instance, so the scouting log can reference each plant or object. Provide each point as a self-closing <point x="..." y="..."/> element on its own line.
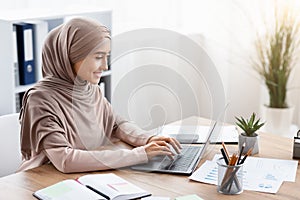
<point x="76" y="66"/>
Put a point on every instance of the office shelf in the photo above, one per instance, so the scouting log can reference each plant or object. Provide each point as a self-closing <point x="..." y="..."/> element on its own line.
<point x="12" y="92"/>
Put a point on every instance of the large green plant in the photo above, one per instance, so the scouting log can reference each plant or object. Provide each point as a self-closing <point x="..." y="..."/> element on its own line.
<point x="277" y="53"/>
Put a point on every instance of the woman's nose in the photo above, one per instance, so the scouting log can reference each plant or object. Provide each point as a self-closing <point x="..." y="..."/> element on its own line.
<point x="104" y="65"/>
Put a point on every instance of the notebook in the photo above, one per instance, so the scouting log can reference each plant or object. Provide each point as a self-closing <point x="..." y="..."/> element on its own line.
<point x="92" y="187"/>
<point x="184" y="163"/>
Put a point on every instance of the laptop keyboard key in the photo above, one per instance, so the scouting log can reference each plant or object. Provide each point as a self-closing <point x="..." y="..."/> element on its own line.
<point x="184" y="160"/>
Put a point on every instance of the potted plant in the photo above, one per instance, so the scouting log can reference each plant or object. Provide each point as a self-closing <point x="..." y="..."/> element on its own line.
<point x="249" y="135"/>
<point x="277" y="53"/>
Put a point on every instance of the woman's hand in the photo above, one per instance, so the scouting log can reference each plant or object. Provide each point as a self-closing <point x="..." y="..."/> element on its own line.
<point x="159" y="145"/>
<point x="157" y="148"/>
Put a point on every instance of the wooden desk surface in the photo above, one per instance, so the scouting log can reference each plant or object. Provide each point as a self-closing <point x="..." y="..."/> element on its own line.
<point x="22" y="185"/>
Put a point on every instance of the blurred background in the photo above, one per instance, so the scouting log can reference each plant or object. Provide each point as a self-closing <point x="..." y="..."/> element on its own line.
<point x="226" y="30"/>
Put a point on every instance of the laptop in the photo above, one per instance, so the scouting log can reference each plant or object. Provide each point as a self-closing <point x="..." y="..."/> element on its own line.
<point x="184" y="163"/>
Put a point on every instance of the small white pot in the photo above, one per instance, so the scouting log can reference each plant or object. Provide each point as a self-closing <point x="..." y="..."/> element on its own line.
<point x="250" y="142"/>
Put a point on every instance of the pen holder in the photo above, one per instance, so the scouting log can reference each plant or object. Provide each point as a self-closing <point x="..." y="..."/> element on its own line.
<point x="230" y="178"/>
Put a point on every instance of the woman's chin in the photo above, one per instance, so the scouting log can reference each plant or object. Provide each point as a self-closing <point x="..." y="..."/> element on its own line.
<point x="95" y="82"/>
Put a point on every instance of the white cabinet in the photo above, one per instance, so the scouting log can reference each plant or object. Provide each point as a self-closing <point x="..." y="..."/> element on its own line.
<point x="9" y="89"/>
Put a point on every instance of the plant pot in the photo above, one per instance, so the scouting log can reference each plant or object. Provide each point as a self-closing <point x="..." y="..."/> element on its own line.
<point x="250" y="142"/>
<point x="278" y="120"/>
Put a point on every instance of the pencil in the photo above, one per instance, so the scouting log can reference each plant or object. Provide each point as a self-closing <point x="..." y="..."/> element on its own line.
<point x="233" y="160"/>
<point x="241" y="152"/>
<point x="247" y="154"/>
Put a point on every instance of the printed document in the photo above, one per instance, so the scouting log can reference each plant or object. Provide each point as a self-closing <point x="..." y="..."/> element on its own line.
<point x="260" y="174"/>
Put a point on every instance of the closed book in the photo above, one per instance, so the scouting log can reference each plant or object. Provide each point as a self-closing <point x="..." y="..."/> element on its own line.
<point x="26" y="52"/>
<point x="92" y="187"/>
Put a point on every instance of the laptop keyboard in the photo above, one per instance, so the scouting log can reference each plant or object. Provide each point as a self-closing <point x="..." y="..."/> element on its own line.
<point x="182" y="161"/>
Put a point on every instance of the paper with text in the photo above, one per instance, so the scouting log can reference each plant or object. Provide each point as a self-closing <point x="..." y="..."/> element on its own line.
<point x="259" y="174"/>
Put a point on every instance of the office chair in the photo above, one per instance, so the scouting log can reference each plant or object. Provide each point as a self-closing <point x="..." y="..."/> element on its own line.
<point x="10" y="152"/>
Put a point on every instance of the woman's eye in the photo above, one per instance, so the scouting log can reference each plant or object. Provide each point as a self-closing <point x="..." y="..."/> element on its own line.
<point x="101" y="57"/>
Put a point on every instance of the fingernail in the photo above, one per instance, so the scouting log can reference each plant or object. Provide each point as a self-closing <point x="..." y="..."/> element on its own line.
<point x="171" y="158"/>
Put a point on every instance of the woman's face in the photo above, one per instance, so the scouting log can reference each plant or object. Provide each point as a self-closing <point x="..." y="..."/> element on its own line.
<point x="91" y="68"/>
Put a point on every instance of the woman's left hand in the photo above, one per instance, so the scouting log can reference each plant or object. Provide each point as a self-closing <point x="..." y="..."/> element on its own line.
<point x="172" y="141"/>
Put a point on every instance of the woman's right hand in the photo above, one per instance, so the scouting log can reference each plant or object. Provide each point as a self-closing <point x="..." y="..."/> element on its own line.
<point x="156" y="148"/>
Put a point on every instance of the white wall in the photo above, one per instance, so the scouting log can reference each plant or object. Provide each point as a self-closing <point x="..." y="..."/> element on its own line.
<point x="225" y="29"/>
<point x="229" y="29"/>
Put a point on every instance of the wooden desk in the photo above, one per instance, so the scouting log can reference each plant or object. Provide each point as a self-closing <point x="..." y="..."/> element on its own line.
<point x="22" y="185"/>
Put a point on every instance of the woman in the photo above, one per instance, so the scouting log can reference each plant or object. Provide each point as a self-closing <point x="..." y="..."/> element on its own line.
<point x="66" y="120"/>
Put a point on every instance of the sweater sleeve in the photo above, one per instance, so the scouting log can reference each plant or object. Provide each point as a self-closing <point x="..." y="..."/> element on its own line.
<point x="67" y="159"/>
<point x="125" y="130"/>
<point x="130" y="133"/>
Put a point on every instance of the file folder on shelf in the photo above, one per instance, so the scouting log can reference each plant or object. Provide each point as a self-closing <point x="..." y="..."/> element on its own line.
<point x="15" y="56"/>
<point x="26" y="54"/>
<point x="40" y="29"/>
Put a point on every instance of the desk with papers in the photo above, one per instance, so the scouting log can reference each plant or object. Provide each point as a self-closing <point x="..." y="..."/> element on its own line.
<point x="21" y="185"/>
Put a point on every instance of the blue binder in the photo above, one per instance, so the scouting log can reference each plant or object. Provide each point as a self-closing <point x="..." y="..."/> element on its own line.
<point x="25" y="49"/>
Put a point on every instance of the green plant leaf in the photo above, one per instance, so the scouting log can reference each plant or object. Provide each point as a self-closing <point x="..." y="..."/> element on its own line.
<point x="249" y="126"/>
<point x="277" y="53"/>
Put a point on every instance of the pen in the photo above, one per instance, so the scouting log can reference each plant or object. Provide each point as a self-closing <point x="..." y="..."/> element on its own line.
<point x="247" y="154"/>
<point x="226" y="152"/>
<point x="224" y="156"/>
<point x="229" y="170"/>
<point x="241" y="152"/>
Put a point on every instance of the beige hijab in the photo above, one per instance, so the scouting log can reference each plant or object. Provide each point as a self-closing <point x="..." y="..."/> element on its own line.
<point x="61" y="102"/>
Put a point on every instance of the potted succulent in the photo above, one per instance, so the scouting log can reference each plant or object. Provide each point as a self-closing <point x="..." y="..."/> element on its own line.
<point x="277" y="53"/>
<point x="249" y="135"/>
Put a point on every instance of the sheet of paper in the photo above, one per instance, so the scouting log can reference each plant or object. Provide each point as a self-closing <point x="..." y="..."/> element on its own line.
<point x="260" y="174"/>
<point x="206" y="173"/>
<point x="228" y="134"/>
<point x="111" y="185"/>
<point x="261" y="182"/>
<point x="285" y="169"/>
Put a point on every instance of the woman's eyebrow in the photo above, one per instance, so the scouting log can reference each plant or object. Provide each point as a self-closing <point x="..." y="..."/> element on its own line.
<point x="102" y="52"/>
